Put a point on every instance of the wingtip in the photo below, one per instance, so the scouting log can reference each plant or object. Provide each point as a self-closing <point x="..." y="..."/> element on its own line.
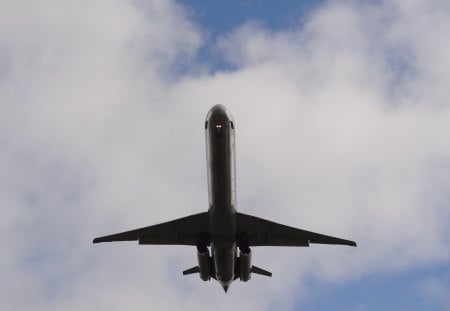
<point x="353" y="244"/>
<point x="96" y="240"/>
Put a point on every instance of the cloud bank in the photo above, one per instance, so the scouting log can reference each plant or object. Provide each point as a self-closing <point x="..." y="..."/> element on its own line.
<point x="342" y="128"/>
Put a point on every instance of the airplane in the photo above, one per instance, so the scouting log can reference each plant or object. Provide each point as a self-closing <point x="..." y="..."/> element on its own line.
<point x="222" y="229"/>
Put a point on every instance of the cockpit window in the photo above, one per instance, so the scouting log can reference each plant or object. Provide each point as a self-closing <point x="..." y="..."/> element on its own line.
<point x="206" y="125"/>
<point x="232" y="125"/>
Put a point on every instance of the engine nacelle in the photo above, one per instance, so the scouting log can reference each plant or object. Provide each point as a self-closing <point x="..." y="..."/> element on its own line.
<point x="204" y="261"/>
<point x="245" y="264"/>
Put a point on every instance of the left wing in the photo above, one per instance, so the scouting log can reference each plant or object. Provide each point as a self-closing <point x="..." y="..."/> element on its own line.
<point x="261" y="232"/>
<point x="182" y="231"/>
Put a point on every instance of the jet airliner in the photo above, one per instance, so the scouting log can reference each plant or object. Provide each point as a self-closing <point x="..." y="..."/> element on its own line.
<point x="222" y="235"/>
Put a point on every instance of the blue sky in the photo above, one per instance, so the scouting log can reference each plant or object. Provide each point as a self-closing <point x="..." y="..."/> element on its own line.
<point x="218" y="19"/>
<point x="342" y="122"/>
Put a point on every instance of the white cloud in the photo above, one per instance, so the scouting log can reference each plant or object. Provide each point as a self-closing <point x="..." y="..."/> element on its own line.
<point x="341" y="128"/>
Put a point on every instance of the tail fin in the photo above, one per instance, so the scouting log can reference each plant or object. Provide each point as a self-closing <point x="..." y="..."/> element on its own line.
<point x="191" y="270"/>
<point x="260" y="271"/>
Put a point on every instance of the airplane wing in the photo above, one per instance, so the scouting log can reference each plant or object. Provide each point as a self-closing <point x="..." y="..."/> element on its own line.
<point x="182" y="231"/>
<point x="261" y="232"/>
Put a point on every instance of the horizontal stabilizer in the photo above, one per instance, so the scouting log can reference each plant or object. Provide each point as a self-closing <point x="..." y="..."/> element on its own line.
<point x="191" y="270"/>
<point x="261" y="271"/>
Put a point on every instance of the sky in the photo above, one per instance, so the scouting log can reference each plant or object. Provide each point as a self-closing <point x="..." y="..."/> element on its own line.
<point x="342" y="124"/>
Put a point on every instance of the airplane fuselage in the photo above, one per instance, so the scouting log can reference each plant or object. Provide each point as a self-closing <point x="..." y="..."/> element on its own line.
<point x="220" y="154"/>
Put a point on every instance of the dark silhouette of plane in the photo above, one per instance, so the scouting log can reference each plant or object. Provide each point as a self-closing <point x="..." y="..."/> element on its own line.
<point x="222" y="228"/>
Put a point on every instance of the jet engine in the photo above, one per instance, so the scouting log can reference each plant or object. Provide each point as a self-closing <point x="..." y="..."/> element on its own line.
<point x="245" y="263"/>
<point x="203" y="263"/>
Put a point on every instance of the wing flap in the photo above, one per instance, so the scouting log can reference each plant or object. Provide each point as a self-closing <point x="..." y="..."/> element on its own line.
<point x="261" y="232"/>
<point x="182" y="231"/>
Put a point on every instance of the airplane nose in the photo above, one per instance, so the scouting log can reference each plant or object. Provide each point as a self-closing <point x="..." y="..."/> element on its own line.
<point x="218" y="110"/>
<point x="219" y="119"/>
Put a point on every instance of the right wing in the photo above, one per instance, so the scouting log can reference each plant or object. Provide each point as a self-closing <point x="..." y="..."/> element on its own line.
<point x="182" y="231"/>
<point x="261" y="232"/>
